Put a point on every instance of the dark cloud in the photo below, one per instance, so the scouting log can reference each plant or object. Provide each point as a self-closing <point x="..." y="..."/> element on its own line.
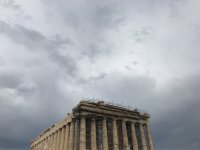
<point x="26" y="110"/>
<point x="179" y="125"/>
<point x="35" y="41"/>
<point x="178" y="128"/>
<point x="10" y="80"/>
<point x="107" y="15"/>
<point x="30" y="38"/>
<point x="100" y="77"/>
<point x="97" y="15"/>
<point x="65" y="62"/>
<point x="95" y="50"/>
<point x="141" y="34"/>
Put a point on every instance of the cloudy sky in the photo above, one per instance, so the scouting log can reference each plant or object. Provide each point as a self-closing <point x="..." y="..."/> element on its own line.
<point x="141" y="53"/>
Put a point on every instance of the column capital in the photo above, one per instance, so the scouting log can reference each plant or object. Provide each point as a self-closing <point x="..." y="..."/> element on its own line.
<point x="142" y="124"/>
<point x="115" y="119"/>
<point x="93" y="119"/>
<point x="124" y="119"/>
<point x="82" y="117"/>
<point x="104" y="117"/>
<point x="67" y="124"/>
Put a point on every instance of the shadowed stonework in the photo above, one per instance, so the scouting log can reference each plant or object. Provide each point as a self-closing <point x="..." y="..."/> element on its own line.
<point x="98" y="126"/>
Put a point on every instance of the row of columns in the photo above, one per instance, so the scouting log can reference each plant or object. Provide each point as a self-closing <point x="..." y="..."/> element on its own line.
<point x="58" y="140"/>
<point x="73" y="137"/>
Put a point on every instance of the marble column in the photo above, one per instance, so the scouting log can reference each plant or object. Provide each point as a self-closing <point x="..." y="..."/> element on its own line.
<point x="76" y="135"/>
<point x="82" y="134"/>
<point x="93" y="135"/>
<point x="144" y="145"/>
<point x="58" y="140"/>
<point x="38" y="146"/>
<point x="115" y="135"/>
<point x="51" y="142"/>
<point x="45" y="143"/>
<point x="124" y="134"/>
<point x="41" y="145"/>
<point x="151" y="146"/>
<point x="48" y="142"/>
<point x="66" y="143"/>
<point x="71" y="136"/>
<point x="55" y="140"/>
<point x="62" y="138"/>
<point x="105" y="135"/>
<point x="134" y="138"/>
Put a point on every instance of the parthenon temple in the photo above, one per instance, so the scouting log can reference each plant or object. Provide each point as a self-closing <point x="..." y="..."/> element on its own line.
<point x="98" y="126"/>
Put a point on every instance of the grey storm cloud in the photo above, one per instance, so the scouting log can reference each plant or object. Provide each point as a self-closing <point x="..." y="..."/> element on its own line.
<point x="180" y="124"/>
<point x="31" y="38"/>
<point x="35" y="41"/>
<point x="143" y="54"/>
<point x="9" y="80"/>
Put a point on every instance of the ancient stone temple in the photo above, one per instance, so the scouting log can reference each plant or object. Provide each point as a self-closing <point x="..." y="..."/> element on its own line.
<point x="98" y="126"/>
